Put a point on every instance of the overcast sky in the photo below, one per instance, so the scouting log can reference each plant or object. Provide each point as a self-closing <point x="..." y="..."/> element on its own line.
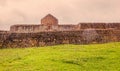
<point x="67" y="11"/>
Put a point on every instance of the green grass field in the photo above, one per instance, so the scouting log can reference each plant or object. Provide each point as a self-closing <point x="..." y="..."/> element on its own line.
<point x="95" y="57"/>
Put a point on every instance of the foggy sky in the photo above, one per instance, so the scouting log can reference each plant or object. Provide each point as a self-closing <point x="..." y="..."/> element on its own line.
<point x="67" y="11"/>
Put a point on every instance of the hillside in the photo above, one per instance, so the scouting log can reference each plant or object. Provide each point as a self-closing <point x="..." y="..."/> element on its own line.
<point x="62" y="58"/>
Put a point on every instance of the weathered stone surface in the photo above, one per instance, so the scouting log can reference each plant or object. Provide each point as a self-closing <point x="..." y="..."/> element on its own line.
<point x="50" y="23"/>
<point x="99" y="25"/>
<point x="3" y="37"/>
<point x="88" y="36"/>
<point x="49" y="20"/>
<point x="49" y="32"/>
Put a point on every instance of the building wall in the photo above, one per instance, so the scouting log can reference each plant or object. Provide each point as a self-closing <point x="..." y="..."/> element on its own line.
<point x="99" y="25"/>
<point x="50" y="23"/>
<point x="44" y="28"/>
<point x="40" y="28"/>
<point x="1" y="31"/>
<point x="49" y="20"/>
<point x="27" y="28"/>
<point x="66" y="27"/>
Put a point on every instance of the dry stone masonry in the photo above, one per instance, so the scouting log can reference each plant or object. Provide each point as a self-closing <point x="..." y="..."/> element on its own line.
<point x="49" y="32"/>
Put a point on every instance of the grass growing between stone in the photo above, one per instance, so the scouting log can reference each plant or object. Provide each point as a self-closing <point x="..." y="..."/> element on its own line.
<point x="93" y="57"/>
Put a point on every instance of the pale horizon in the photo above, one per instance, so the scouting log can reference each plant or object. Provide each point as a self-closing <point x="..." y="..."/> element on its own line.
<point x="67" y="12"/>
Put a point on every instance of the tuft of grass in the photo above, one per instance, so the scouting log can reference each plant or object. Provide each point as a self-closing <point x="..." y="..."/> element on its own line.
<point x="94" y="57"/>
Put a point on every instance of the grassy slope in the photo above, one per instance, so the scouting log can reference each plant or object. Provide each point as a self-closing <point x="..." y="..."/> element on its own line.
<point x="62" y="58"/>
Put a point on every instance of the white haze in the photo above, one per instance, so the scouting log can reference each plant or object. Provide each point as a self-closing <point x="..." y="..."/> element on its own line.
<point x="67" y="11"/>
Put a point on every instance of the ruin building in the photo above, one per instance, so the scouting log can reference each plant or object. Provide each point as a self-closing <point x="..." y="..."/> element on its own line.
<point x="51" y="23"/>
<point x="48" y="23"/>
<point x="50" y="32"/>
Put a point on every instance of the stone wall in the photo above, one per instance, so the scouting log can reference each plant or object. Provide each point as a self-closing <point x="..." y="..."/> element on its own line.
<point x="44" y="28"/>
<point x="99" y="25"/>
<point x="3" y="37"/>
<point x="40" y="28"/>
<point x="49" y="20"/>
<point x="27" y="28"/>
<point x="87" y="36"/>
<point x="93" y="25"/>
